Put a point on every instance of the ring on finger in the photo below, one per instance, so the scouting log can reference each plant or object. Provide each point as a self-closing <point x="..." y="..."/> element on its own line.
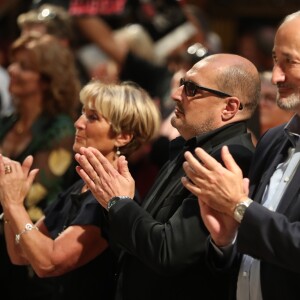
<point x="7" y="169"/>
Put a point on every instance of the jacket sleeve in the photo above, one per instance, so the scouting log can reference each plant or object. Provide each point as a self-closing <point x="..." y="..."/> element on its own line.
<point x="275" y="236"/>
<point x="167" y="247"/>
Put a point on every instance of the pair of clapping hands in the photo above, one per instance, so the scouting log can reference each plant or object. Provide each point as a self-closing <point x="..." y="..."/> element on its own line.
<point x="15" y="180"/>
<point x="219" y="189"/>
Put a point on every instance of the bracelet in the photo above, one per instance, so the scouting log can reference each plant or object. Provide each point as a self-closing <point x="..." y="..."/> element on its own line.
<point x="28" y="227"/>
<point x="2" y="217"/>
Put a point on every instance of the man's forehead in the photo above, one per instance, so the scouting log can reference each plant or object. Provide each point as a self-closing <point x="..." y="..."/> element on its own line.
<point x="286" y="50"/>
<point x="198" y="68"/>
<point x="287" y="39"/>
<point x="288" y="31"/>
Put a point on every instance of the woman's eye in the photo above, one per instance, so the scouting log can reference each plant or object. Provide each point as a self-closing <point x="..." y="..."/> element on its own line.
<point x="92" y="117"/>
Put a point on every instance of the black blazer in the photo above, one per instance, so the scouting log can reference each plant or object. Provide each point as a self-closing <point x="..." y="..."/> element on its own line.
<point x="163" y="242"/>
<point x="273" y="237"/>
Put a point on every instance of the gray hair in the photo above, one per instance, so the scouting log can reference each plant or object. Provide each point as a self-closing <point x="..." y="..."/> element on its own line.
<point x="291" y="16"/>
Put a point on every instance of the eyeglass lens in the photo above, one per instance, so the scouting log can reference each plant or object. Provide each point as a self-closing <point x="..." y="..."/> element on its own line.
<point x="189" y="87"/>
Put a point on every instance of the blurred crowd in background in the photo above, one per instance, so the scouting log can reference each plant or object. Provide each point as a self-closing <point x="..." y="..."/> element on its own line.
<point x="150" y="42"/>
<point x="151" y="39"/>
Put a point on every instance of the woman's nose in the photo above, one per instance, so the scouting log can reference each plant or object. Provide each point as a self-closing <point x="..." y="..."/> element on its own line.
<point x="79" y="123"/>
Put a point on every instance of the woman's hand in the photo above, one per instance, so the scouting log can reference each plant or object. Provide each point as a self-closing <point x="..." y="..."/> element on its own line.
<point x="102" y="178"/>
<point x="15" y="180"/>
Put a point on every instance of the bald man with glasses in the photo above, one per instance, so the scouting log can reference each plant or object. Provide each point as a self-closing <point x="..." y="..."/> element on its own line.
<point x="162" y="242"/>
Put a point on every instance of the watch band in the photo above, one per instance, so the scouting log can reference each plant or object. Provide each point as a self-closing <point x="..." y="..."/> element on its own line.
<point x="114" y="200"/>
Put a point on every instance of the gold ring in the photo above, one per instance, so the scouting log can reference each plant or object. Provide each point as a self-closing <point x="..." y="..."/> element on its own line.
<point x="7" y="169"/>
<point x="94" y="180"/>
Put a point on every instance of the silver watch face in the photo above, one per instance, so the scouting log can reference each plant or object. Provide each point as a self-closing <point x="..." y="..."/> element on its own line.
<point x="241" y="209"/>
<point x="239" y="212"/>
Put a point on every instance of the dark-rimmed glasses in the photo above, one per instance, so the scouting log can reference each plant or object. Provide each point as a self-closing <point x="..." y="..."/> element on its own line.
<point x="191" y="89"/>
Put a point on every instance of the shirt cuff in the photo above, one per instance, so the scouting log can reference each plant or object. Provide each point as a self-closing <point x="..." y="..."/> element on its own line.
<point x="225" y="250"/>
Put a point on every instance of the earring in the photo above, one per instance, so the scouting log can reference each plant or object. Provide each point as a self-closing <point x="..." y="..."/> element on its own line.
<point x="118" y="152"/>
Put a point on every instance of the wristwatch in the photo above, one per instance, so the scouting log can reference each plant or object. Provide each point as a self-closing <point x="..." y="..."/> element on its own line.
<point x="240" y="209"/>
<point x="114" y="200"/>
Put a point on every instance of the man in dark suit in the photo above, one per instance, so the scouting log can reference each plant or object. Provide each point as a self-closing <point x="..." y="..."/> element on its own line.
<point x="162" y="255"/>
<point x="265" y="227"/>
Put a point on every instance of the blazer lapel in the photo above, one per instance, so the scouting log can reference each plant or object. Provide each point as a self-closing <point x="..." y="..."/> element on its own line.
<point x="265" y="178"/>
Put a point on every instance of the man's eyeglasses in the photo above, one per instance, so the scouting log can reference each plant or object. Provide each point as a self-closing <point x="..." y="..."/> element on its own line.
<point x="191" y="89"/>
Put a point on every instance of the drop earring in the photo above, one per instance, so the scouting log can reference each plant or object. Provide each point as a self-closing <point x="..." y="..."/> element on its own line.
<point x="118" y="152"/>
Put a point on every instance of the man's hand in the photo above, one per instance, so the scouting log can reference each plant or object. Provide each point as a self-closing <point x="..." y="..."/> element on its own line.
<point x="218" y="187"/>
<point x="222" y="228"/>
<point x="102" y="178"/>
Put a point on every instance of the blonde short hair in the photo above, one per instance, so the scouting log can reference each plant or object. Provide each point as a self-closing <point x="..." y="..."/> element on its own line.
<point x="128" y="108"/>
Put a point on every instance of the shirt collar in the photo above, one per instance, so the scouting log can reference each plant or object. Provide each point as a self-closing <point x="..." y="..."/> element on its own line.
<point x="292" y="129"/>
<point x="209" y="139"/>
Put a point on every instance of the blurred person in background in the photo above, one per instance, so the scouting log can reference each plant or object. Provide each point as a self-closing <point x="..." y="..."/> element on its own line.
<point x="44" y="86"/>
<point x="6" y="105"/>
<point x="55" y="20"/>
<point x="95" y="19"/>
<point x="270" y="115"/>
<point x="69" y="243"/>
<point x="255" y="42"/>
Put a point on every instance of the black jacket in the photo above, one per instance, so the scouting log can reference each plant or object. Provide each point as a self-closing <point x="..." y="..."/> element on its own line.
<point x="164" y="240"/>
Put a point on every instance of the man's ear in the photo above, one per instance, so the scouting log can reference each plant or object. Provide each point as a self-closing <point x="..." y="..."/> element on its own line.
<point x="231" y="108"/>
<point x="123" y="139"/>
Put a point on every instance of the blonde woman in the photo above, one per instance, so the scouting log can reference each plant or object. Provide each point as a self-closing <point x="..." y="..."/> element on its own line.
<point x="69" y="243"/>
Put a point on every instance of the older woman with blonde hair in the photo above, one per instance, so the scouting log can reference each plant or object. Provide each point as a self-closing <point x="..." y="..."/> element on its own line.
<point x="70" y="242"/>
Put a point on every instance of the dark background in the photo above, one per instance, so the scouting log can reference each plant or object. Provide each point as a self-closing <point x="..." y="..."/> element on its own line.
<point x="228" y="18"/>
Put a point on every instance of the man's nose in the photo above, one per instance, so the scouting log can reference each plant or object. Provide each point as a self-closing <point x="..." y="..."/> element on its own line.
<point x="177" y="93"/>
<point x="278" y="74"/>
